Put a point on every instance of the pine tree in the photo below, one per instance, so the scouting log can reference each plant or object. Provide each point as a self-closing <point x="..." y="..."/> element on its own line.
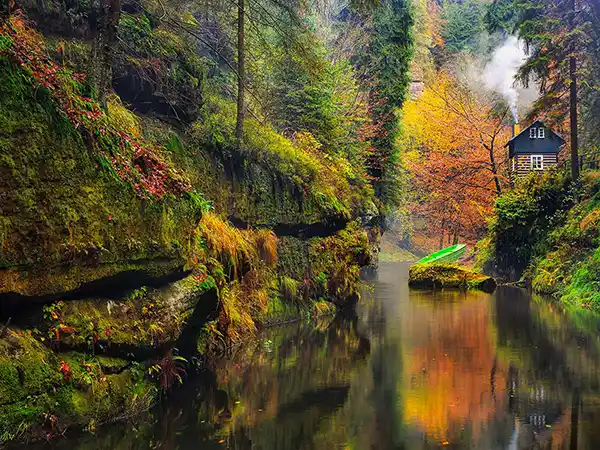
<point x="556" y="34"/>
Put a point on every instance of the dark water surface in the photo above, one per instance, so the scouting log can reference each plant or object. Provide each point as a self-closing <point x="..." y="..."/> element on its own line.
<point x="414" y="370"/>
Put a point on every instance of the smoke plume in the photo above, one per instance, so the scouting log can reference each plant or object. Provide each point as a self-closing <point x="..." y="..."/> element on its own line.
<point x="499" y="74"/>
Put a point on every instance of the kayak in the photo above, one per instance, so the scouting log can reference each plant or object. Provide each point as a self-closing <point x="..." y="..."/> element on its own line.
<point x="447" y="254"/>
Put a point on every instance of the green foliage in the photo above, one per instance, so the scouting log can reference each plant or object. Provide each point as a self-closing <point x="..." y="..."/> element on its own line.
<point x="386" y="60"/>
<point x="501" y="15"/>
<point x="462" y="23"/>
<point x="523" y="219"/>
<point x="566" y="265"/>
<point x="319" y="96"/>
<point x="289" y="289"/>
<point x="583" y="289"/>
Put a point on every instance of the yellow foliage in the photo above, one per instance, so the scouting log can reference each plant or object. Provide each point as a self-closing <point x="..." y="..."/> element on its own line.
<point x="225" y="242"/>
<point x="305" y="141"/>
<point x="454" y="148"/>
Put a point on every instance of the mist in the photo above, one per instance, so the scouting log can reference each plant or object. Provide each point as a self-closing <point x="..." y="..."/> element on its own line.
<point x="500" y="73"/>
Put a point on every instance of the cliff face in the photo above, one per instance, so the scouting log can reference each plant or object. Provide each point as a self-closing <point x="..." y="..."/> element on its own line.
<point x="124" y="237"/>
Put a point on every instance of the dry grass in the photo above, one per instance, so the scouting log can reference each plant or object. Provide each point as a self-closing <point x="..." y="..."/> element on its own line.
<point x="249" y="257"/>
<point x="226" y="243"/>
<point x="266" y="244"/>
<point x="235" y="247"/>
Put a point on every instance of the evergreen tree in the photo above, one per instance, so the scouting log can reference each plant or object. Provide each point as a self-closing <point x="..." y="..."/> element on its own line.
<point x="385" y="64"/>
<point x="463" y="21"/>
<point x="501" y="16"/>
<point x="557" y="36"/>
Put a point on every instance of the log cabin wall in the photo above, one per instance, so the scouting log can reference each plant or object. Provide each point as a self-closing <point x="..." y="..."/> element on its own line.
<point x="522" y="163"/>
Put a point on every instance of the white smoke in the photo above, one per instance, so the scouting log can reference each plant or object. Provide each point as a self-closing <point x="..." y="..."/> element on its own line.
<point x="499" y="74"/>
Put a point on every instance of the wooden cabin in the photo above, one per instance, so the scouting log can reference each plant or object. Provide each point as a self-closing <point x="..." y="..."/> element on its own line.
<point x="535" y="148"/>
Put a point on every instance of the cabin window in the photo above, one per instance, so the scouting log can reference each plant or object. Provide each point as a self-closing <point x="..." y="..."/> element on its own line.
<point x="537" y="162"/>
<point x="541" y="133"/>
<point x="532" y="133"/>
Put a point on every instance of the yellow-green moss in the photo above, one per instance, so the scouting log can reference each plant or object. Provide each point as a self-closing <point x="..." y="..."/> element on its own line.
<point x="145" y="318"/>
<point x="39" y="387"/>
<point x="431" y="276"/>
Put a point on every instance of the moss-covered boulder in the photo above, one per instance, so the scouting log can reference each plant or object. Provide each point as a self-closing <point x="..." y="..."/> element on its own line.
<point x="43" y="392"/>
<point x="146" y="318"/>
<point x="441" y="276"/>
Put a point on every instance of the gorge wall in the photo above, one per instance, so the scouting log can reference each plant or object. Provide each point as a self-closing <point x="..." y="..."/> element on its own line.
<point x="134" y="247"/>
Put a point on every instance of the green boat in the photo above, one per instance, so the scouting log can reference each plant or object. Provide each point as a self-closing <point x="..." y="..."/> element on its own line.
<point x="447" y="254"/>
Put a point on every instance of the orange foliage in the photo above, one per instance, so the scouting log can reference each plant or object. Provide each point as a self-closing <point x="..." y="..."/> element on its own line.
<point x="454" y="143"/>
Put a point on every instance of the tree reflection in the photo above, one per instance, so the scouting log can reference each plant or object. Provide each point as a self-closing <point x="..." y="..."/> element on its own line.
<point x="413" y="370"/>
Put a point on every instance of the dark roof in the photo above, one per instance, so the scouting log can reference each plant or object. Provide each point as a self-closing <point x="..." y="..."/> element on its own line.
<point x="536" y="123"/>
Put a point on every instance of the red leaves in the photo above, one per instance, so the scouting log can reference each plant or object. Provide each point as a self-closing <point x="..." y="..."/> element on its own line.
<point x="133" y="162"/>
<point x="65" y="369"/>
<point x="201" y="277"/>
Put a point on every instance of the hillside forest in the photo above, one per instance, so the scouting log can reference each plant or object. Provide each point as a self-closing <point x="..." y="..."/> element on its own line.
<point x="176" y="176"/>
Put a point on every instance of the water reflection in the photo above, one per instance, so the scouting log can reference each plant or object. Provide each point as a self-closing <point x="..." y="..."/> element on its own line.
<point x="413" y="370"/>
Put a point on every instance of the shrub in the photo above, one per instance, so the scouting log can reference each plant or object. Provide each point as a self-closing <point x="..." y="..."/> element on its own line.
<point x="524" y="218"/>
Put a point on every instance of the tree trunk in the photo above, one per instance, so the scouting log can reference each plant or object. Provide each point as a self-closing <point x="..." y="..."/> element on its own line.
<point x="442" y="234"/>
<point x="573" y="105"/>
<point x="573" y="117"/>
<point x="106" y="28"/>
<point x="495" y="171"/>
<point x="239" y="126"/>
<point x="113" y="16"/>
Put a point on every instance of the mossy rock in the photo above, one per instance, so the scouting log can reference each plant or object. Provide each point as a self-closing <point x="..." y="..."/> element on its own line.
<point x="26" y="367"/>
<point x="61" y="280"/>
<point x="441" y="276"/>
<point x="145" y="318"/>
<point x="42" y="391"/>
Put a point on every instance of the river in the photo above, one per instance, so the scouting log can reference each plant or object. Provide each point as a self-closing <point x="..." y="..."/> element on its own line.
<point x="413" y="370"/>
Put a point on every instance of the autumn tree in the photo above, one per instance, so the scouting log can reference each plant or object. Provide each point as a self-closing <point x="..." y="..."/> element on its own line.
<point x="454" y="139"/>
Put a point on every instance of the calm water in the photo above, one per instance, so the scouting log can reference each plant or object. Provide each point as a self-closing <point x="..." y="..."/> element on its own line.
<point x="414" y="370"/>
